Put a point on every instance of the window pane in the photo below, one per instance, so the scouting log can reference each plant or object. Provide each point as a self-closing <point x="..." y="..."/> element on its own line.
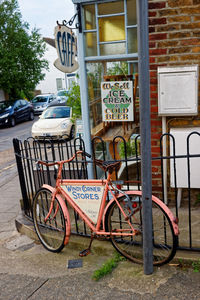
<point x="111" y="29"/>
<point x="111" y="8"/>
<point x="132" y="40"/>
<point x="131" y="12"/>
<point x="89" y="17"/>
<point x="91" y="44"/>
<point x="112" y="49"/>
<point x="94" y="77"/>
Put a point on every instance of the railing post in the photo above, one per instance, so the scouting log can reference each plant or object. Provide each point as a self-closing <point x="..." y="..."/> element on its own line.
<point x="26" y="206"/>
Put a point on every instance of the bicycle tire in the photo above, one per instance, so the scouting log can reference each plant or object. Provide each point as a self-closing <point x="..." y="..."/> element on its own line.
<point x="51" y="232"/>
<point x="164" y="240"/>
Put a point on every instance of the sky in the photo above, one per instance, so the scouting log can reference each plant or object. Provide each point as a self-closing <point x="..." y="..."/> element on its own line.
<point x="43" y="14"/>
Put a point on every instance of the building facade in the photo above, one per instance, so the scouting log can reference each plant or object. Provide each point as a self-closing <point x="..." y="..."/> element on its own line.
<point x="174" y="40"/>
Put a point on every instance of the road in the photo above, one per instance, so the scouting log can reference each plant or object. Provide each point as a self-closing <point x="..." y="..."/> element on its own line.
<point x="7" y="158"/>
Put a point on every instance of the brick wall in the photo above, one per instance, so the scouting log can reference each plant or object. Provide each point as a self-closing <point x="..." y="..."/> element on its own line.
<point x="174" y="39"/>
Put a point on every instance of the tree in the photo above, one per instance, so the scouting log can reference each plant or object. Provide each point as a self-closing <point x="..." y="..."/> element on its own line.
<point x="21" y="53"/>
<point x="74" y="100"/>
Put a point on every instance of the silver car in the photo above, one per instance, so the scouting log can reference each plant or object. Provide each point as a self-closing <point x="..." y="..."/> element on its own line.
<point x="41" y="102"/>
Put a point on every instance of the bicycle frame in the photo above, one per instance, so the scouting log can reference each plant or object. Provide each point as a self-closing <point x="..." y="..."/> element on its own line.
<point x="58" y="190"/>
<point x="120" y="218"/>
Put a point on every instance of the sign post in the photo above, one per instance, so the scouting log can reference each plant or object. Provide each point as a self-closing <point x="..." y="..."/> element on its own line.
<point x="145" y="132"/>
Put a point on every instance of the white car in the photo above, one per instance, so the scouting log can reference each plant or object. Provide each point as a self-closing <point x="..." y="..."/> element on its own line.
<point x="54" y="123"/>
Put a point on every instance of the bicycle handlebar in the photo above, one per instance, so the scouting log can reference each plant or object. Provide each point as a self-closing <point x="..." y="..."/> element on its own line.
<point x="63" y="161"/>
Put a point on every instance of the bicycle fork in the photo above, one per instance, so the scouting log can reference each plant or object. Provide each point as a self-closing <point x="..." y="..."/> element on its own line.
<point x="51" y="208"/>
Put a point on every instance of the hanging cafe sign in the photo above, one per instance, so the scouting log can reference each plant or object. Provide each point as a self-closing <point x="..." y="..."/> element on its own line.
<point x="66" y="46"/>
<point x="117" y="100"/>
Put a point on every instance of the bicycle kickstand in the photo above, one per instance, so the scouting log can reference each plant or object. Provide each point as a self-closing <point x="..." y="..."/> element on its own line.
<point x="87" y="251"/>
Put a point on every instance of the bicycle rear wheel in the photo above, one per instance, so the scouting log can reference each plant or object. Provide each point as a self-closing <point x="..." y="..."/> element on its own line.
<point x="164" y="239"/>
<point x="51" y="232"/>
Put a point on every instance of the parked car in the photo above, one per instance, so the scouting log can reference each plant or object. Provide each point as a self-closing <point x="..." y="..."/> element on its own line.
<point x="41" y="102"/>
<point x="62" y="96"/>
<point x="55" y="123"/>
<point x="12" y="112"/>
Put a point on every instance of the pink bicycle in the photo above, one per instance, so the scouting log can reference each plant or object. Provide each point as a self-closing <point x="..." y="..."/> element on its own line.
<point x="119" y="219"/>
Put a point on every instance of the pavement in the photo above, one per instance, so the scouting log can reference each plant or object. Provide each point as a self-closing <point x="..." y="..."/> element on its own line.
<point x="28" y="271"/>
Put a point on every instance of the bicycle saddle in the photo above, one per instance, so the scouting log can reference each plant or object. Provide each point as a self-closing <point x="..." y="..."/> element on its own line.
<point x="108" y="166"/>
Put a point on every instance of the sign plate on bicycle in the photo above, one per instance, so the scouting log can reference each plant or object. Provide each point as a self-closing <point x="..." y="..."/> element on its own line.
<point x="87" y="197"/>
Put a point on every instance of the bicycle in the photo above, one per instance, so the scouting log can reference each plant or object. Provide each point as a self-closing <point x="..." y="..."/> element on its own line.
<point x="119" y="220"/>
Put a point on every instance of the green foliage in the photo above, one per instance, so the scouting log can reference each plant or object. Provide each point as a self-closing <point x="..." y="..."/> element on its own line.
<point x="108" y="266"/>
<point x="197" y="200"/>
<point x="120" y="68"/>
<point x="196" y="266"/>
<point x="21" y="53"/>
<point x="129" y="148"/>
<point x="74" y="100"/>
<point x="94" y="80"/>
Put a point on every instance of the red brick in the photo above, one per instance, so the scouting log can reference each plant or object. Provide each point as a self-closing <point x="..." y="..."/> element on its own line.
<point x="156" y="163"/>
<point x="153" y="80"/>
<point x="153" y="88"/>
<point x="152" y="44"/>
<point x="154" y="169"/>
<point x="156" y="123"/>
<point x="153" y="74"/>
<point x="154" y="129"/>
<point x="152" y="29"/>
<point x="157" y="21"/>
<point x="157" y="5"/>
<point x="196" y="50"/>
<point x="157" y="37"/>
<point x="157" y="176"/>
<point x="155" y="136"/>
<point x="152" y="60"/>
<point x="152" y="13"/>
<point x="154" y="143"/>
<point x="153" y="96"/>
<point x="158" y="51"/>
<point x="190" y="42"/>
<point x="154" y="102"/>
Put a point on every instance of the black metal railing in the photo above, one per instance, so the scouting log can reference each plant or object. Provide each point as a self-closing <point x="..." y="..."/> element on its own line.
<point x="166" y="180"/>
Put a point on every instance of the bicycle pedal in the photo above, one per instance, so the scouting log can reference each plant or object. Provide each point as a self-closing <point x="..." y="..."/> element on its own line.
<point x="84" y="252"/>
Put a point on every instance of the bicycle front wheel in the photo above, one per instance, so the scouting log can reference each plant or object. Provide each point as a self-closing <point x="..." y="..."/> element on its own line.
<point x="52" y="231"/>
<point x="131" y="246"/>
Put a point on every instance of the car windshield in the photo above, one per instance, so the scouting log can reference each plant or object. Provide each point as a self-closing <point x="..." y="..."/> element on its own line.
<point x="62" y="93"/>
<point x="6" y="105"/>
<point x="40" y="99"/>
<point x="56" y="112"/>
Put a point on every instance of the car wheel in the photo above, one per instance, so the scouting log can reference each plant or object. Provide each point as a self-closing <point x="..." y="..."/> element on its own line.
<point x="31" y="116"/>
<point x="12" y="122"/>
<point x="72" y="133"/>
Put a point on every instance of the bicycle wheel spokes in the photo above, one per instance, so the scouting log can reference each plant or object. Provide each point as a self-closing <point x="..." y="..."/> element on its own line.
<point x="51" y="230"/>
<point x="164" y="240"/>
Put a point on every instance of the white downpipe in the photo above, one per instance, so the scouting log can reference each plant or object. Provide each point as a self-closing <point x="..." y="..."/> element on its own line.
<point x="164" y="130"/>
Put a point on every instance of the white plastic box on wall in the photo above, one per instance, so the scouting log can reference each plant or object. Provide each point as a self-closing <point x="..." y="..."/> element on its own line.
<point x="180" y="135"/>
<point x="178" y="91"/>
